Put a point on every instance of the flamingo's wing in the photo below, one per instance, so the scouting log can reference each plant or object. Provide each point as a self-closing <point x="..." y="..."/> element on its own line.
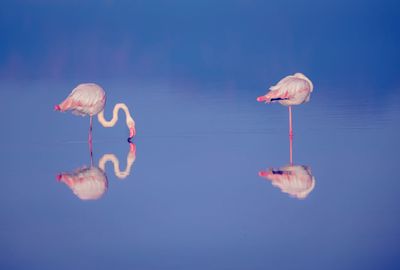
<point x="297" y="181"/>
<point x="85" y="98"/>
<point x="294" y="86"/>
<point x="282" y="89"/>
<point x="86" y="183"/>
<point x="281" y="83"/>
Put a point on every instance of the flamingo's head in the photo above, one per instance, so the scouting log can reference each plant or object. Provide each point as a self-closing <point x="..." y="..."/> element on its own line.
<point x="264" y="99"/>
<point x="65" y="178"/>
<point x="132" y="133"/>
<point x="132" y="130"/>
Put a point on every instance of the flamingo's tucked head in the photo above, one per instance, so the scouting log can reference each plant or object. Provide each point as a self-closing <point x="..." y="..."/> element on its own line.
<point x="65" y="178"/>
<point x="263" y="99"/>
<point x="132" y="130"/>
<point x="132" y="133"/>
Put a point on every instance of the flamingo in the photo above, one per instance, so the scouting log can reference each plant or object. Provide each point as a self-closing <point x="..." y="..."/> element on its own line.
<point x="90" y="182"/>
<point x="89" y="99"/>
<point x="87" y="183"/>
<point x="295" y="180"/>
<point x="291" y="90"/>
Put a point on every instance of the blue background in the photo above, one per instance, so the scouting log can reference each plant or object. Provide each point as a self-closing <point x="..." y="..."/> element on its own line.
<point x="190" y="72"/>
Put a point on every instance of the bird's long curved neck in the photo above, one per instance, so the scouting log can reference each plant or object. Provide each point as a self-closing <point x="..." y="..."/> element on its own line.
<point x="129" y="120"/>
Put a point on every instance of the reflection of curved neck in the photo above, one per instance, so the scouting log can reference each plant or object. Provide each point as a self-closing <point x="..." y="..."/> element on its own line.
<point x="129" y="121"/>
<point x="114" y="160"/>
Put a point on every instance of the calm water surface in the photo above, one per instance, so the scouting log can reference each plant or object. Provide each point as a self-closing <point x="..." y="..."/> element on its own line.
<point x="194" y="198"/>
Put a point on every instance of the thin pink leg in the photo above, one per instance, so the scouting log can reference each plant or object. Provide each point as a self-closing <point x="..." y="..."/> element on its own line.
<point x="91" y="153"/>
<point x="290" y="122"/>
<point x="90" y="140"/>
<point x="290" y="135"/>
<point x="291" y="149"/>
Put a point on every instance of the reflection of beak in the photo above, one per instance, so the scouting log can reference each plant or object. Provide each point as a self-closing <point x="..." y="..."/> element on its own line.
<point x="57" y="108"/>
<point x="65" y="179"/>
<point x="132" y="133"/>
<point x="132" y="148"/>
<point x="264" y="174"/>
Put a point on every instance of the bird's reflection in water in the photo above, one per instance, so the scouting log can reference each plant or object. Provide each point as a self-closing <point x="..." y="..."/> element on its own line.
<point x="90" y="183"/>
<point x="295" y="180"/>
<point x="87" y="183"/>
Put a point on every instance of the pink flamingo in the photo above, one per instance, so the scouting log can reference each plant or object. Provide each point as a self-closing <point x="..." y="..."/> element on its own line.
<point x="89" y="99"/>
<point x="90" y="182"/>
<point x="291" y="90"/>
<point x="295" y="180"/>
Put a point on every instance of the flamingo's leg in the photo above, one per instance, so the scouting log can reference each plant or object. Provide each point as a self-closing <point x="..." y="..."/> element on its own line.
<point x="90" y="129"/>
<point x="290" y="136"/>
<point x="291" y="150"/>
<point x="290" y="122"/>
<point x="90" y="139"/>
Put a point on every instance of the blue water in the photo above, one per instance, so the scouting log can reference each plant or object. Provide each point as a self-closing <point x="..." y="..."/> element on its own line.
<point x="190" y="73"/>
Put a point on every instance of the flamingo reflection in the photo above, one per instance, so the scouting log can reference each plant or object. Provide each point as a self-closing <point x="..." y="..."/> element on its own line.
<point x="87" y="183"/>
<point x="295" y="180"/>
<point x="90" y="183"/>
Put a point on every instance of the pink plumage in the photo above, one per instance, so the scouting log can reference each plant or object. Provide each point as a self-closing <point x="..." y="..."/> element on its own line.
<point x="86" y="183"/>
<point x="85" y="99"/>
<point x="89" y="99"/>
<point x="295" y="180"/>
<point x="291" y="90"/>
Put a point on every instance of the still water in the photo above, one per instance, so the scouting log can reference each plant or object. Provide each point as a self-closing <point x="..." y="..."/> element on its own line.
<point x="190" y="195"/>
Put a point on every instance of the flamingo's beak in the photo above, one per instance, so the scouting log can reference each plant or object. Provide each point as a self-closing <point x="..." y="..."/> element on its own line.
<point x="57" y="108"/>
<point x="262" y="99"/>
<point x="132" y="133"/>
<point x="66" y="179"/>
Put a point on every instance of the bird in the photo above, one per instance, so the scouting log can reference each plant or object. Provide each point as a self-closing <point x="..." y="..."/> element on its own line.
<point x="87" y="183"/>
<point x="295" y="180"/>
<point x="90" y="99"/>
<point x="292" y="90"/>
<point x="90" y="182"/>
